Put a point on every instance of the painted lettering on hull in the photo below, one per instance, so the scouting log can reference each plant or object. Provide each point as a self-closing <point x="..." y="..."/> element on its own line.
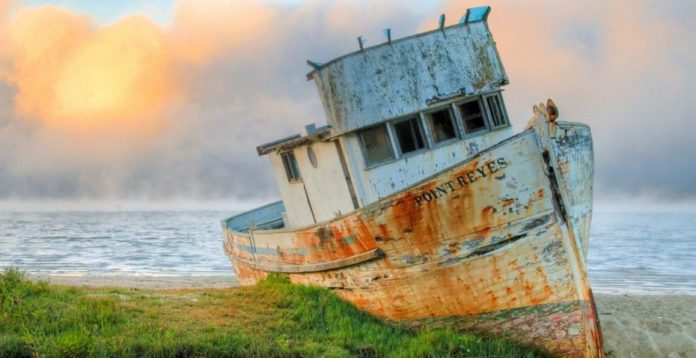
<point x="469" y="178"/>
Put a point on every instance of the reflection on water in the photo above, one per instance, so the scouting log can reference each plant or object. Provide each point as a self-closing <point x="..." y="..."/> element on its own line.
<point x="629" y="252"/>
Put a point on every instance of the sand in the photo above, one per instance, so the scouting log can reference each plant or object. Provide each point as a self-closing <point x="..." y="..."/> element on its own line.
<point x="139" y="282"/>
<point x="632" y="325"/>
<point x="648" y="325"/>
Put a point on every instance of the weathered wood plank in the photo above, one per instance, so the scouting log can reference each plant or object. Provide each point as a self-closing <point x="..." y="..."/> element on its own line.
<point x="396" y="79"/>
<point x="317" y="267"/>
<point x="478" y="240"/>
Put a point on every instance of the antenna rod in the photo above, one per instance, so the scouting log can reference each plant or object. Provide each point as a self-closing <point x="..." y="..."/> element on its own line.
<point x="387" y="33"/>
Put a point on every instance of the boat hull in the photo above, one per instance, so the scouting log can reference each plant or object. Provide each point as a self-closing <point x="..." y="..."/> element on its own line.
<point x="486" y="246"/>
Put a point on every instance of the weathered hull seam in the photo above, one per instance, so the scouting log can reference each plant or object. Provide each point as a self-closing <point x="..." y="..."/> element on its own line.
<point x="496" y="244"/>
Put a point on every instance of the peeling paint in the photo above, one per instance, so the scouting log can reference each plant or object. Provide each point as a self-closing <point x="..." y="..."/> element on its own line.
<point x="458" y="256"/>
<point x="488" y="233"/>
<point x="359" y="89"/>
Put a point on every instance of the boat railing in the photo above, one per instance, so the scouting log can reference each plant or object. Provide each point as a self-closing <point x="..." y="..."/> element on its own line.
<point x="267" y="217"/>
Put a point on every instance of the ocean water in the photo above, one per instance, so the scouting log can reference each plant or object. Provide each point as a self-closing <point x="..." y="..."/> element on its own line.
<point x="643" y="252"/>
<point x="150" y="243"/>
<point x="652" y="253"/>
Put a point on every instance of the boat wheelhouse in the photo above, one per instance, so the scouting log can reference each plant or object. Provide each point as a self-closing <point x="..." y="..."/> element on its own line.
<point x="395" y="117"/>
<point x="419" y="204"/>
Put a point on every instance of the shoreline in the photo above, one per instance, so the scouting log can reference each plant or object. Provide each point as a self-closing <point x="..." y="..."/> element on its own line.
<point x="137" y="282"/>
<point x="633" y="325"/>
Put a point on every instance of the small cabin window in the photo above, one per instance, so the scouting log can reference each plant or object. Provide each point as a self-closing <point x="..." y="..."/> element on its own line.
<point x="290" y="164"/>
<point x="442" y="125"/>
<point x="375" y="143"/>
<point x="495" y="105"/>
<point x="410" y="135"/>
<point x="472" y="116"/>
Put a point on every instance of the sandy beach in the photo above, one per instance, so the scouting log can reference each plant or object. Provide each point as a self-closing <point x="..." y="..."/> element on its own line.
<point x="138" y="282"/>
<point x="648" y="325"/>
<point x="633" y="325"/>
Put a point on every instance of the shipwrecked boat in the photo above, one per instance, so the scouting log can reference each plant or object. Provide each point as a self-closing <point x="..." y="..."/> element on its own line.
<point x="419" y="204"/>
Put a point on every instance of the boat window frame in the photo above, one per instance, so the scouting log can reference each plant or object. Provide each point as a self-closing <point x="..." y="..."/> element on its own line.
<point x="427" y="121"/>
<point x="484" y="114"/>
<point x="501" y="109"/>
<point x="290" y="166"/>
<point x="389" y="143"/>
<point x="418" y="119"/>
<point x="423" y="118"/>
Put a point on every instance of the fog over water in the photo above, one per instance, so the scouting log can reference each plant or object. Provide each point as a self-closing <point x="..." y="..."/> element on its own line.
<point x="172" y="121"/>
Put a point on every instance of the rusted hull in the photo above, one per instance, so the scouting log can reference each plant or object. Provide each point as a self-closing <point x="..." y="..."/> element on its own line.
<point x="487" y="245"/>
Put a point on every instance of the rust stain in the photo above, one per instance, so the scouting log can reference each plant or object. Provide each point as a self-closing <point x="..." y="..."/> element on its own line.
<point x="540" y="194"/>
<point x="414" y="280"/>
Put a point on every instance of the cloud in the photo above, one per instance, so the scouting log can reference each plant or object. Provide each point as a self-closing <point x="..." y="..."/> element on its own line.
<point x="203" y="31"/>
<point x="139" y="110"/>
<point x="69" y="72"/>
<point x="623" y="70"/>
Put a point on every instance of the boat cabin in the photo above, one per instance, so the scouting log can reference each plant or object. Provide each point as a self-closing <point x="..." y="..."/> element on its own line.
<point x="397" y="113"/>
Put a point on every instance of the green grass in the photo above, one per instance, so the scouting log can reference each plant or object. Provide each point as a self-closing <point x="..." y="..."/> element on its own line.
<point x="272" y="319"/>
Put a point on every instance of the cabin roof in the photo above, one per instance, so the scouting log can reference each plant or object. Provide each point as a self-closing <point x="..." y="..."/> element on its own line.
<point x="341" y="94"/>
<point x="409" y="75"/>
<point x="313" y="134"/>
<point x="476" y="14"/>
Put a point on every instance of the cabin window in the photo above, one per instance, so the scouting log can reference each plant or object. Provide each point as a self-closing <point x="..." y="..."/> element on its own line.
<point x="472" y="116"/>
<point x="375" y="143"/>
<point x="290" y="164"/>
<point x="442" y="125"/>
<point x="495" y="105"/>
<point x="410" y="135"/>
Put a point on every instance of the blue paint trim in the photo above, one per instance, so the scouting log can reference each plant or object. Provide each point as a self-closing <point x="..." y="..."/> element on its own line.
<point x="266" y="217"/>
<point x="270" y="252"/>
<point x="349" y="240"/>
<point x="476" y="14"/>
<point x="258" y="250"/>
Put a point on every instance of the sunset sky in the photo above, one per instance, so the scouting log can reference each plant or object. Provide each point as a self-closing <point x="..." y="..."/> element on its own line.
<point x="166" y="100"/>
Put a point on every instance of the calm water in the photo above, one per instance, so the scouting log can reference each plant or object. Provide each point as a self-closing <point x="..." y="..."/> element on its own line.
<point x="129" y="242"/>
<point x="629" y="252"/>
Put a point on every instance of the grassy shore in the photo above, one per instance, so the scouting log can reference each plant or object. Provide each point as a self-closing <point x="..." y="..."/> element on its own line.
<point x="274" y="318"/>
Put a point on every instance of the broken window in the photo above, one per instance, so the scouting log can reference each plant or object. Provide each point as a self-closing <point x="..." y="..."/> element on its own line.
<point x="290" y="164"/>
<point x="495" y="105"/>
<point x="410" y="135"/>
<point x="472" y="116"/>
<point x="442" y="125"/>
<point x="375" y="143"/>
